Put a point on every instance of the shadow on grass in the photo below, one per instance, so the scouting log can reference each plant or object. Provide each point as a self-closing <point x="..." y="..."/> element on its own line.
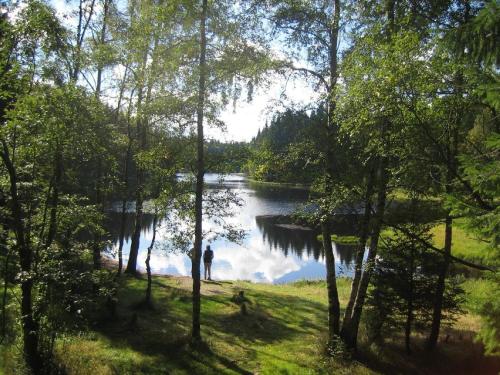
<point x="204" y="350"/>
<point x="277" y="328"/>
<point x="212" y="282"/>
<point x="163" y="333"/>
<point x="459" y="355"/>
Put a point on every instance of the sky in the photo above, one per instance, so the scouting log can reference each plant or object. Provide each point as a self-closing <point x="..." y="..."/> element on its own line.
<point x="245" y="119"/>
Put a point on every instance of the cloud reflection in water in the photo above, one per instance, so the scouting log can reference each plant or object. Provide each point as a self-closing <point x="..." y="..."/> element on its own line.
<point x="268" y="253"/>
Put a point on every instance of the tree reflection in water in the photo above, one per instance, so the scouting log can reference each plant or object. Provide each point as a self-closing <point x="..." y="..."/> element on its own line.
<point x="274" y="248"/>
<point x="302" y="242"/>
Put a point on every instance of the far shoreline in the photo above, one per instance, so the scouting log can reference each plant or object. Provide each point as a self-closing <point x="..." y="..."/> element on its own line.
<point x="288" y="185"/>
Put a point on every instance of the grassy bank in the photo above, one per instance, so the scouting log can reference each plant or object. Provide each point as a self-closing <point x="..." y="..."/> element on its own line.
<point x="342" y="240"/>
<point x="283" y="333"/>
<point x="287" y="185"/>
<point x="464" y="245"/>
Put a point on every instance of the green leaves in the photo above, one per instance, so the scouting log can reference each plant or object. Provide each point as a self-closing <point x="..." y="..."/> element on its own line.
<point x="479" y="37"/>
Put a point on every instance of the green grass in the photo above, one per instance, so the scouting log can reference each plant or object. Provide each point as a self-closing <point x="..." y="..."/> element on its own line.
<point x="403" y="195"/>
<point x="283" y="333"/>
<point x="279" y="335"/>
<point x="287" y="185"/>
<point x="464" y="245"/>
<point x="342" y="240"/>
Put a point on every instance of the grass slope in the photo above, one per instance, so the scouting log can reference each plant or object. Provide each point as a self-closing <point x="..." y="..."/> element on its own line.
<point x="341" y="240"/>
<point x="282" y="334"/>
<point x="464" y="245"/>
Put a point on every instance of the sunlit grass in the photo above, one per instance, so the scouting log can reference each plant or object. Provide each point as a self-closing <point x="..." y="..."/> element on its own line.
<point x="342" y="240"/>
<point x="283" y="333"/>
<point x="464" y="245"/>
<point x="478" y="292"/>
<point x="403" y="195"/>
<point x="280" y="334"/>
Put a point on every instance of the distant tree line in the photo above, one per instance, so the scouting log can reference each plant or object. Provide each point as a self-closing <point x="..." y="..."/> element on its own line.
<point x="284" y="150"/>
<point x="227" y="157"/>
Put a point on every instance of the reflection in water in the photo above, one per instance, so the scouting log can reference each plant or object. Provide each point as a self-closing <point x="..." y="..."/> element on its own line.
<point x="302" y="242"/>
<point x="271" y="252"/>
<point x="114" y="221"/>
<point x="280" y="193"/>
<point x="297" y="241"/>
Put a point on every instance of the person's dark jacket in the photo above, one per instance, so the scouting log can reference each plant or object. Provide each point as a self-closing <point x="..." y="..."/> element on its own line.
<point x="208" y="255"/>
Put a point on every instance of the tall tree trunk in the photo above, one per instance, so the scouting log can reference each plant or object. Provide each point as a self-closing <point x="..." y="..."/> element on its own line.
<point x="29" y="325"/>
<point x="123" y="222"/>
<point x="54" y="200"/>
<point x="123" y="214"/>
<point x="331" y="174"/>
<point x="333" y="296"/>
<point x="76" y="53"/>
<point x="148" y="300"/>
<point x="139" y="196"/>
<point x="409" y="311"/>
<point x="96" y="246"/>
<point x="102" y="41"/>
<point x="200" y="173"/>
<point x="351" y="331"/>
<point x="440" y="287"/>
<point x="142" y="131"/>
<point x="139" y="199"/>
<point x="451" y="172"/>
<point x="82" y="27"/>
<point x="363" y="237"/>
<point x="96" y="251"/>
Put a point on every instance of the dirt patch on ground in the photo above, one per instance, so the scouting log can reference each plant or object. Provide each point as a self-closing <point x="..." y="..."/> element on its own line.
<point x="208" y="287"/>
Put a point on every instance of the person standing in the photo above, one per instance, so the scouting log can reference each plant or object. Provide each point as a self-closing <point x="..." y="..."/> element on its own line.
<point x="208" y="255"/>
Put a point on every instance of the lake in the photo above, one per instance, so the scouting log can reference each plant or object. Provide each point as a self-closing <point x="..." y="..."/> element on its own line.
<point x="271" y="252"/>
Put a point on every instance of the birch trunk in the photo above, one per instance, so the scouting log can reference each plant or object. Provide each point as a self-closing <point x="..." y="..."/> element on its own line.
<point x="200" y="172"/>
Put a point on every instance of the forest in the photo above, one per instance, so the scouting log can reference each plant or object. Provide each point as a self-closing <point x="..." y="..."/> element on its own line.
<point x="110" y="115"/>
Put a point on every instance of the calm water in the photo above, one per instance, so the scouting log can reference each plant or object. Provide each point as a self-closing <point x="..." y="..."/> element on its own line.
<point x="270" y="252"/>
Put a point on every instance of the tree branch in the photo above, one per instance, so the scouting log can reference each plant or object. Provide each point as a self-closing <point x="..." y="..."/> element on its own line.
<point x="441" y="251"/>
<point x="311" y="72"/>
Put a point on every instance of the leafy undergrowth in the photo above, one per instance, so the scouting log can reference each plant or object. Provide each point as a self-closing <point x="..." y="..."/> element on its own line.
<point x="283" y="333"/>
